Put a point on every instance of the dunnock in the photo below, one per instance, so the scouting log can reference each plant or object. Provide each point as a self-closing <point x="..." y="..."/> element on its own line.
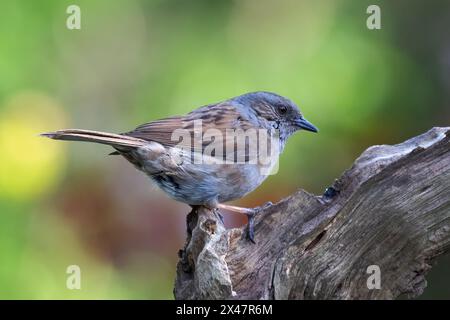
<point x="208" y="166"/>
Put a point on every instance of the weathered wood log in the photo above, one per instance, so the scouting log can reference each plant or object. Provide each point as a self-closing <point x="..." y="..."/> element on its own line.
<point x="390" y="209"/>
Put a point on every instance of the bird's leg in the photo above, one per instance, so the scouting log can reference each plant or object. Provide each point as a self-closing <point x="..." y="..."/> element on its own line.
<point x="250" y="213"/>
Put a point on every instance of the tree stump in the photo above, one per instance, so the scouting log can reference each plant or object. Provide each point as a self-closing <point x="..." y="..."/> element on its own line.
<point x="391" y="209"/>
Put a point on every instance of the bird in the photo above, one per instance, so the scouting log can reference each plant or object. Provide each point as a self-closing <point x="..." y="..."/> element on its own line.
<point x="215" y="154"/>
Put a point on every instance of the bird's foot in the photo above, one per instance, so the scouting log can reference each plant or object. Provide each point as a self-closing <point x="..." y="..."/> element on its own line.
<point x="251" y="214"/>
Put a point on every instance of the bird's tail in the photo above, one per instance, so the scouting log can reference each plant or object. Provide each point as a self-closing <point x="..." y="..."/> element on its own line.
<point x="115" y="140"/>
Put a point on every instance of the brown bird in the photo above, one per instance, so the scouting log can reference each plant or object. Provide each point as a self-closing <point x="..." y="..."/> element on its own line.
<point x="214" y="154"/>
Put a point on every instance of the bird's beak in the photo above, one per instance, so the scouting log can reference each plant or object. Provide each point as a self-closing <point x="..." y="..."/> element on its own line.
<point x="304" y="124"/>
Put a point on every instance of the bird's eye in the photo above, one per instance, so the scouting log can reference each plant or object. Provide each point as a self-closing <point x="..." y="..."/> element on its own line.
<point x="283" y="109"/>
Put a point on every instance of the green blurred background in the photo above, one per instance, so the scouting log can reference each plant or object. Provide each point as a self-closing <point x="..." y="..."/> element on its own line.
<point x="134" y="61"/>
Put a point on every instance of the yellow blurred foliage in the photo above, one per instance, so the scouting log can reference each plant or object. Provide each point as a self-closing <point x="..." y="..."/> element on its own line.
<point x="29" y="164"/>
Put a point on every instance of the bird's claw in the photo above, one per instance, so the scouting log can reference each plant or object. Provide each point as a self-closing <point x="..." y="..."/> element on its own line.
<point x="250" y="230"/>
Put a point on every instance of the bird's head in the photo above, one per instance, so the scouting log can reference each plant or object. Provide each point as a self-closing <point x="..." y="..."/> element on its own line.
<point x="281" y="112"/>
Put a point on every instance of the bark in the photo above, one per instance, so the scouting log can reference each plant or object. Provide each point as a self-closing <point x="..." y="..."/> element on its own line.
<point x="390" y="209"/>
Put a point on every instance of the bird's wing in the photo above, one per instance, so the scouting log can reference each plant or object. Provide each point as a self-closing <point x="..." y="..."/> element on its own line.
<point x="199" y="125"/>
